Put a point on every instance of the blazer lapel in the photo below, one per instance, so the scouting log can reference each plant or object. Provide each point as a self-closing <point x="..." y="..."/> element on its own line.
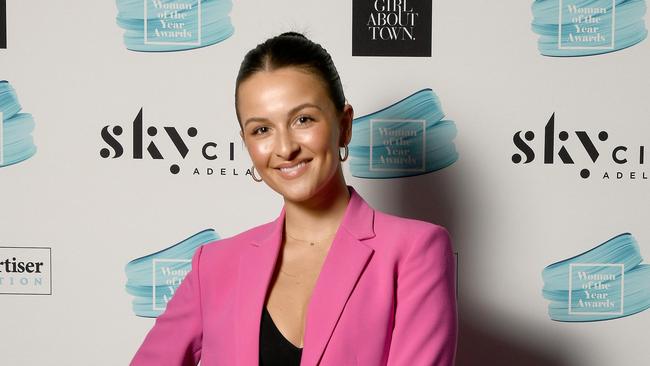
<point x="344" y="264"/>
<point x="345" y="261"/>
<point x="256" y="263"/>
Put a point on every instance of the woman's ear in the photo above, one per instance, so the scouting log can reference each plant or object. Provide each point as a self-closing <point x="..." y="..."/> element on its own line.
<point x="347" y="116"/>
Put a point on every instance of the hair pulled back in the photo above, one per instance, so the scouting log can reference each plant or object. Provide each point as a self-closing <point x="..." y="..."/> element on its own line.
<point x="296" y="50"/>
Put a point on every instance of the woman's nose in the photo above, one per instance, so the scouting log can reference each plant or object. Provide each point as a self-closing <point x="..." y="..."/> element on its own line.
<point x="285" y="145"/>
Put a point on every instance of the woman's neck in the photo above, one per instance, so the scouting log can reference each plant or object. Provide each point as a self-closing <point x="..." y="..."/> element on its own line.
<point x="319" y="216"/>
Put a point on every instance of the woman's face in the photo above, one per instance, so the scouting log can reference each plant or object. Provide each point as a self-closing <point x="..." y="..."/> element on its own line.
<point x="289" y="121"/>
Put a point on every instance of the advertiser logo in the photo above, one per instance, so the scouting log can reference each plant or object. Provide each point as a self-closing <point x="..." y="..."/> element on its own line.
<point x="397" y="145"/>
<point x="597" y="153"/>
<point x="596" y="288"/>
<point x="173" y="25"/>
<point x="16" y="127"/>
<point x="586" y="26"/>
<point x="170" y="272"/>
<point x="25" y="270"/>
<point x="607" y="282"/>
<point x="172" y="22"/>
<point x="407" y="138"/>
<point x="3" y="23"/>
<point x="173" y="144"/>
<point x="2" y="140"/>
<point x="580" y="28"/>
<point x="153" y="279"/>
<point x="391" y="28"/>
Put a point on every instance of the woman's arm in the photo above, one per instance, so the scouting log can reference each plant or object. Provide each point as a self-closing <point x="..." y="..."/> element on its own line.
<point x="175" y="338"/>
<point x="425" y="315"/>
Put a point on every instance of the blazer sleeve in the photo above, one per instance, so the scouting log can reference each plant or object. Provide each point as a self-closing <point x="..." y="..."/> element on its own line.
<point x="426" y="321"/>
<point x="175" y="339"/>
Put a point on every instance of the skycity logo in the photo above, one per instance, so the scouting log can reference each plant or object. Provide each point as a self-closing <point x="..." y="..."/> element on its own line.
<point x="590" y="146"/>
<point x="180" y="140"/>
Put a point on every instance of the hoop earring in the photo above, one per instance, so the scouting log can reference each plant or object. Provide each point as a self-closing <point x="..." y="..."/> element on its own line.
<point x="347" y="151"/>
<point x="253" y="174"/>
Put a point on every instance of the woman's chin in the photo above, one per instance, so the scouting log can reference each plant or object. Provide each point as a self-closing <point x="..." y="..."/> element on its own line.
<point x="295" y="191"/>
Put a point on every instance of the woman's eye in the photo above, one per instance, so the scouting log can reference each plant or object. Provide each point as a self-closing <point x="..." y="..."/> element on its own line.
<point x="257" y="130"/>
<point x="304" y="119"/>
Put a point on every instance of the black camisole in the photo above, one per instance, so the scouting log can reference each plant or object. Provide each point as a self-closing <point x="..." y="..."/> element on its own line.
<point x="275" y="349"/>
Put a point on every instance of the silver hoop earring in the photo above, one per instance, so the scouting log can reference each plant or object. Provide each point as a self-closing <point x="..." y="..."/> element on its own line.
<point x="347" y="151"/>
<point x="253" y="174"/>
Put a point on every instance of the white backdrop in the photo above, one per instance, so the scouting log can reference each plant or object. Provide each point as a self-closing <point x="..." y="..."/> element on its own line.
<point x="72" y="72"/>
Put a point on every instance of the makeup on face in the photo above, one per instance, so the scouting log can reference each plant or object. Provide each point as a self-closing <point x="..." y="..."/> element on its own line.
<point x="290" y="129"/>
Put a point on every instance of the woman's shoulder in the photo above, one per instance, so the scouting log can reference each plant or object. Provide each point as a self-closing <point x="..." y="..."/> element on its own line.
<point x="409" y="234"/>
<point x="406" y="225"/>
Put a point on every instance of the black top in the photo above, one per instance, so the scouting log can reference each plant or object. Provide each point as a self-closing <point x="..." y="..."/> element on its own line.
<point x="275" y="350"/>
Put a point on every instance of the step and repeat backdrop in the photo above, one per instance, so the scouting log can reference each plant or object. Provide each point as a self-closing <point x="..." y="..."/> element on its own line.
<point x="521" y="126"/>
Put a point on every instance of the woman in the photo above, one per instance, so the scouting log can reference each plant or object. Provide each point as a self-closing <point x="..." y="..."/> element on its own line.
<point x="331" y="281"/>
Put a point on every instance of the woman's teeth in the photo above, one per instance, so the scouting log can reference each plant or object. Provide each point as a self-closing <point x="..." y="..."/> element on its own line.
<point x="294" y="168"/>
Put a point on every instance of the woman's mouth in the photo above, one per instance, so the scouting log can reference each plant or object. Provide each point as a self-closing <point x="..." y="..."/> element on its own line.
<point x="294" y="171"/>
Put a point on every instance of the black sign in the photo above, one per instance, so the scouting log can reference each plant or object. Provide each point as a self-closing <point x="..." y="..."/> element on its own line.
<point x="391" y="28"/>
<point x="3" y="23"/>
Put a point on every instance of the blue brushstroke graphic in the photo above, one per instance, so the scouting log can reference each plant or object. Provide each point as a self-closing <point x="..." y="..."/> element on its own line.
<point x="588" y="27"/>
<point x="16" y="141"/>
<point x="154" y="278"/>
<point x="173" y="25"/>
<point x="404" y="139"/>
<point x="606" y="282"/>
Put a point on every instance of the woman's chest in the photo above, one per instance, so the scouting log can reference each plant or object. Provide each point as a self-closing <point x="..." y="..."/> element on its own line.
<point x="289" y="293"/>
<point x="363" y="326"/>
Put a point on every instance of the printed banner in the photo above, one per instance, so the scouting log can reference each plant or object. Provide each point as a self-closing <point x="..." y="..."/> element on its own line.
<point x="173" y="25"/>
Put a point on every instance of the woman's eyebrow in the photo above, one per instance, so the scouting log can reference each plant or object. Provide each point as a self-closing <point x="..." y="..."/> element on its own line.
<point x="292" y="111"/>
<point x="301" y="106"/>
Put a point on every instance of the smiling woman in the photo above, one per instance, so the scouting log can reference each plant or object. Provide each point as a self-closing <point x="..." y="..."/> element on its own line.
<point x="294" y="118"/>
<point x="292" y="129"/>
<point x="331" y="281"/>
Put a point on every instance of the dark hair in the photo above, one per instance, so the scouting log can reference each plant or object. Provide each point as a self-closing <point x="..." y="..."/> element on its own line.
<point x="293" y="49"/>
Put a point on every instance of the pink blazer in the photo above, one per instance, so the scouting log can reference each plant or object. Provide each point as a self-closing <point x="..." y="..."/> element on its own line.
<point x="385" y="296"/>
